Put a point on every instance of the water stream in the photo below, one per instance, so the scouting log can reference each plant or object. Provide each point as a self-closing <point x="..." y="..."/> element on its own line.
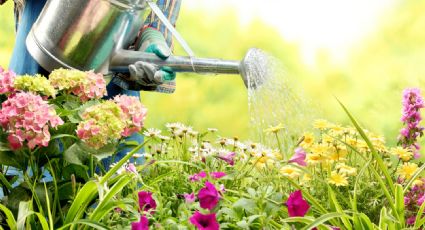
<point x="274" y="98"/>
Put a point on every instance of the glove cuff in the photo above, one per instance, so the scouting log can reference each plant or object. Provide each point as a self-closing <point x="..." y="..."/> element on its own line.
<point x="150" y="35"/>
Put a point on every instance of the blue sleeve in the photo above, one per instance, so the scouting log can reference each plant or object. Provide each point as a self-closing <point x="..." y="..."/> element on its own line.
<point x="21" y="61"/>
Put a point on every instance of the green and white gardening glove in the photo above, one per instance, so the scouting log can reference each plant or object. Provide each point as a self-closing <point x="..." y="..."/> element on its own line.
<point x="150" y="76"/>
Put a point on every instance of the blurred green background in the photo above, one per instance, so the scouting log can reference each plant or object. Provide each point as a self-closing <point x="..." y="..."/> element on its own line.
<point x="390" y="58"/>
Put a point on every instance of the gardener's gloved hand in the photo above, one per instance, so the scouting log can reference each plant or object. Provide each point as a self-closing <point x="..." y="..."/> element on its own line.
<point x="147" y="75"/>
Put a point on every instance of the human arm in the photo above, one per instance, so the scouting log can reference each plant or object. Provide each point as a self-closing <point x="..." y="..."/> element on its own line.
<point x="155" y="38"/>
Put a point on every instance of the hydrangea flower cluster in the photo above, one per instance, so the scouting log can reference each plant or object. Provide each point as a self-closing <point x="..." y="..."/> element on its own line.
<point x="101" y="123"/>
<point x="6" y="81"/>
<point x="37" y="84"/>
<point x="110" y="120"/>
<point x="133" y="113"/>
<point x="411" y="117"/>
<point x="86" y="85"/>
<point x="27" y="117"/>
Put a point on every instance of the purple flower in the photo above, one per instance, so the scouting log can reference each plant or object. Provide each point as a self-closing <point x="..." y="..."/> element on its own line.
<point x="229" y="157"/>
<point x="411" y="117"/>
<point x="299" y="157"/>
<point x="421" y="199"/>
<point x="204" y="222"/>
<point x="297" y="206"/>
<point x="190" y="198"/>
<point x="143" y="224"/>
<point x="218" y="175"/>
<point x="146" y="202"/>
<point x="208" y="196"/>
<point x="411" y="220"/>
<point x="197" y="176"/>
<point x="131" y="168"/>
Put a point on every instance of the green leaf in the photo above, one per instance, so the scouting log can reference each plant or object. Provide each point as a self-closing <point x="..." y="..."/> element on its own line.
<point x="8" y="158"/>
<point x="84" y="197"/>
<point x="16" y="196"/>
<point x="10" y="219"/>
<point x="399" y="203"/>
<point x="338" y="208"/>
<point x="89" y="223"/>
<point x="245" y="204"/>
<point x="25" y="212"/>
<point x="102" y="209"/>
<point x="324" y="218"/>
<point x="76" y="155"/>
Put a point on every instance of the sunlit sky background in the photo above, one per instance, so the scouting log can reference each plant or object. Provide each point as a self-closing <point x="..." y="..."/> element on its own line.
<point x="334" y="25"/>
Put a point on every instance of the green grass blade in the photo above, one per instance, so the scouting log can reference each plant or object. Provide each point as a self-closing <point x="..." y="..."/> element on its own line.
<point x="10" y="219"/>
<point x="82" y="200"/>
<point x="89" y="223"/>
<point x="323" y="219"/>
<point x="100" y="210"/>
<point x="338" y="208"/>
<point x="419" y="215"/>
<point x="399" y="203"/>
<point x="376" y="156"/>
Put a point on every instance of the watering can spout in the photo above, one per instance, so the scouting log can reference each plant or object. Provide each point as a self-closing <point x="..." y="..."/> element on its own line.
<point x="123" y="58"/>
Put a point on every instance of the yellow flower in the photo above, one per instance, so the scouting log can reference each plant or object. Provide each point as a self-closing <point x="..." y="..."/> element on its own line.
<point x="402" y="153"/>
<point x="407" y="170"/>
<point x="319" y="148"/>
<point x="315" y="158"/>
<point x="328" y="139"/>
<point x="275" y="129"/>
<point x="338" y="179"/>
<point x="337" y="155"/>
<point x="321" y="124"/>
<point x="290" y="172"/>
<point x="346" y="170"/>
<point x="337" y="129"/>
<point x="308" y="140"/>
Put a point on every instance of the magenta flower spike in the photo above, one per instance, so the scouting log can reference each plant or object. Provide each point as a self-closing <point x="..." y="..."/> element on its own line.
<point x="204" y="222"/>
<point x="296" y="204"/>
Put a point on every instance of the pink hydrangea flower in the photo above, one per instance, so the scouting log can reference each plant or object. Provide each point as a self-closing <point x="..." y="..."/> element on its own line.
<point x="7" y="81"/>
<point x="134" y="113"/>
<point x="299" y="157"/>
<point x="94" y="87"/>
<point x="204" y="222"/>
<point x="190" y="198"/>
<point x="143" y="224"/>
<point x="27" y="117"/>
<point x="296" y="204"/>
<point x="146" y="202"/>
<point x="208" y="196"/>
<point x="218" y="175"/>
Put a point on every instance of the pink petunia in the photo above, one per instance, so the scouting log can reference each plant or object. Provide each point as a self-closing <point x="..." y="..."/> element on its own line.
<point x="228" y="157"/>
<point x="143" y="224"/>
<point x="218" y="175"/>
<point x="299" y="157"/>
<point x="208" y="196"/>
<point x="197" y="176"/>
<point x="190" y="198"/>
<point x="296" y="205"/>
<point x="146" y="202"/>
<point x="204" y="222"/>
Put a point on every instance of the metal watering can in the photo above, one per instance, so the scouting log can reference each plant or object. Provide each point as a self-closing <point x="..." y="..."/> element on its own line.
<point x="94" y="35"/>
